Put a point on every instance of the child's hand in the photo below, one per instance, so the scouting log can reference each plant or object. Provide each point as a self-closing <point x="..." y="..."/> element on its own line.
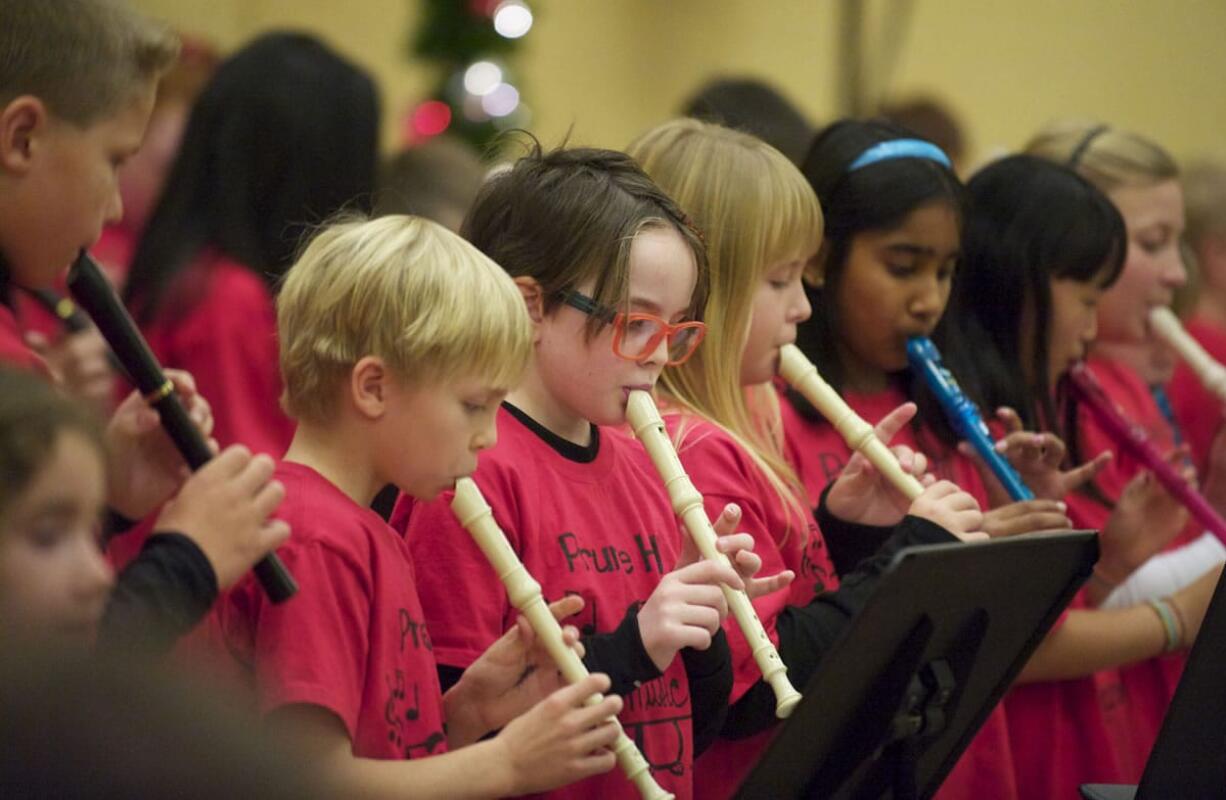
<point x="512" y="675"/>
<point x="144" y="466"/>
<point x="560" y="740"/>
<point x="739" y="549"/>
<point x="686" y="608"/>
<point x="1026" y="516"/>
<point x="79" y="362"/>
<point x="1037" y="458"/>
<point x="225" y="507"/>
<point x="861" y="494"/>
<point x="1145" y="520"/>
<point x="953" y="509"/>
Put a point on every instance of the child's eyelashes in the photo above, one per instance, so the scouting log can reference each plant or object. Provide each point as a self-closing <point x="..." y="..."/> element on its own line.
<point x="639" y="326"/>
<point x="47" y="534"/>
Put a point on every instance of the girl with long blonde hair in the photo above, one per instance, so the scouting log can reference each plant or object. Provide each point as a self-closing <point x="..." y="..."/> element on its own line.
<point x="762" y="226"/>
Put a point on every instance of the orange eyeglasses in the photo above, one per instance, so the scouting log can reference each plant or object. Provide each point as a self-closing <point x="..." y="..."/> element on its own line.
<point x="636" y="335"/>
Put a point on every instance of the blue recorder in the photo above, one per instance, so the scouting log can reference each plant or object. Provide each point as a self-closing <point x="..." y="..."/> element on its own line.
<point x="963" y="415"/>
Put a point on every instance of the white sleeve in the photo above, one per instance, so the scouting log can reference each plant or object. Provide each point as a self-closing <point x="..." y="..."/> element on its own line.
<point x="1168" y="572"/>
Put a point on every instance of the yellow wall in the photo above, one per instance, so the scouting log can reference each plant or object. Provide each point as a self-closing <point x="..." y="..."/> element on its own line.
<point x="608" y="69"/>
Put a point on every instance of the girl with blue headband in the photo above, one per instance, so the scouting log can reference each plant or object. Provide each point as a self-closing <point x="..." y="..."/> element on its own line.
<point x="894" y="216"/>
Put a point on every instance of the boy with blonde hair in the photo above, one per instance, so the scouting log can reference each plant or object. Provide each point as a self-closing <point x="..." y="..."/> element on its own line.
<point x="398" y="341"/>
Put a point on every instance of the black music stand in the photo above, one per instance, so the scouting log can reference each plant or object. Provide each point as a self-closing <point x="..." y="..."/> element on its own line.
<point x="899" y="697"/>
<point x="1187" y="760"/>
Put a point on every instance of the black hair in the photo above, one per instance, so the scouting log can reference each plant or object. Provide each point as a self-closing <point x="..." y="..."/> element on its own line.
<point x="877" y="197"/>
<point x="753" y="106"/>
<point x="283" y="137"/>
<point x="1030" y="221"/>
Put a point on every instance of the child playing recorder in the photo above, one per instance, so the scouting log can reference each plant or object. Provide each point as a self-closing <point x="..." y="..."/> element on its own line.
<point x="394" y="374"/>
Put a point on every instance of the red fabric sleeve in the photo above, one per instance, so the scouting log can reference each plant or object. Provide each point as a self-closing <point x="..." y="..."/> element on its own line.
<point x="314" y="649"/>
<point x="1198" y="411"/>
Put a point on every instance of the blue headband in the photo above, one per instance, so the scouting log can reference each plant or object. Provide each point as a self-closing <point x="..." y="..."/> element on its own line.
<point x="900" y="148"/>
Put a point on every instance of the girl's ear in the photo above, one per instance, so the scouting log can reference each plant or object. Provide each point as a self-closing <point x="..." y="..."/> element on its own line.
<point x="368" y="387"/>
<point x="534" y="297"/>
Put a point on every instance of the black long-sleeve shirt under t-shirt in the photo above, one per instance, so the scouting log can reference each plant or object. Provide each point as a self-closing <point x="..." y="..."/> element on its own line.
<point x="620" y="653"/>
<point x="159" y="597"/>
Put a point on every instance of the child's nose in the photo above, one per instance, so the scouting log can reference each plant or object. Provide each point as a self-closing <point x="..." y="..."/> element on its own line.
<point x="801" y="309"/>
<point x="928" y="301"/>
<point x="658" y="355"/>
<point x="114" y="208"/>
<point x="95" y="574"/>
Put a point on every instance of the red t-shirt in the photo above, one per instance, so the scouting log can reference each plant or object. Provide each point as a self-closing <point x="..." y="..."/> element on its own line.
<point x="353" y="639"/>
<point x="820" y="453"/>
<point x="1066" y="733"/>
<point x="1198" y="411"/>
<point x="603" y="530"/>
<point x="724" y="473"/>
<point x="1147" y="686"/>
<point x="14" y="352"/>
<point x="219" y="323"/>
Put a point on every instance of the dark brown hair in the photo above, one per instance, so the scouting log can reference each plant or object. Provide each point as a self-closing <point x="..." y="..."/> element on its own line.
<point x="32" y="416"/>
<point x="568" y="216"/>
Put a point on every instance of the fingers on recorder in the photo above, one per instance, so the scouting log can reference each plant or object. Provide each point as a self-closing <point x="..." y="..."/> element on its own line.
<point x="225" y="508"/>
<point x="561" y="740"/>
<point x="686" y="609"/>
<point x="948" y="506"/>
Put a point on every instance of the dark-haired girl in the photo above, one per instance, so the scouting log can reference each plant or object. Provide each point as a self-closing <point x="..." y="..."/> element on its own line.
<point x="894" y="212"/>
<point x="1141" y="180"/>
<point x="283" y="137"/>
<point x="1041" y="245"/>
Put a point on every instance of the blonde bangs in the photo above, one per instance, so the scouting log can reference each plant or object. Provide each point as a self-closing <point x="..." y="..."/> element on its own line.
<point x="406" y="290"/>
<point x="755" y="210"/>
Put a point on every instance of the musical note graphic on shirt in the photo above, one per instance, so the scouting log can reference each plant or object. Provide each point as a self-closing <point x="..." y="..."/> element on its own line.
<point x="398" y="720"/>
<point x="396" y="694"/>
<point x="673" y="762"/>
<point x="813" y="563"/>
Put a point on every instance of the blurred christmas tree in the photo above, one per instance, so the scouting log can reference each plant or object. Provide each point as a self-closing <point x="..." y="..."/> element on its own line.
<point x="470" y="41"/>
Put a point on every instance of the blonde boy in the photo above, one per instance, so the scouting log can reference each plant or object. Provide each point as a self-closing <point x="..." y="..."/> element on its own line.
<point x="398" y="341"/>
